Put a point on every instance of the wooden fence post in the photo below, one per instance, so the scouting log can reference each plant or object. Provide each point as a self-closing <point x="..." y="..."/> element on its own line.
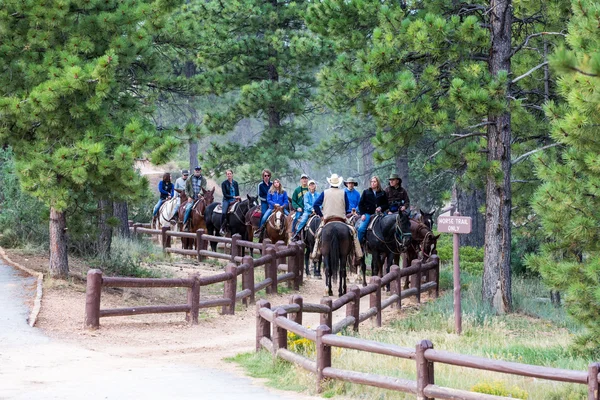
<point x="201" y="244"/>
<point x="263" y="327"/>
<point x="327" y="318"/>
<point x="353" y="308"/>
<point x="300" y="264"/>
<point x="248" y="279"/>
<point x="230" y="289"/>
<point x="424" y="369"/>
<point x="323" y="355"/>
<point x="415" y="279"/>
<point x="297" y="299"/>
<point x="271" y="270"/>
<point x="166" y="240"/>
<point x="279" y="333"/>
<point x="436" y="272"/>
<point x="397" y="286"/>
<point x="93" y="291"/>
<point x="194" y="300"/>
<point x="405" y="265"/>
<point x="593" y="370"/>
<point x="291" y="267"/>
<point x="375" y="298"/>
<point x="265" y="245"/>
<point x="234" y="246"/>
<point x="135" y="232"/>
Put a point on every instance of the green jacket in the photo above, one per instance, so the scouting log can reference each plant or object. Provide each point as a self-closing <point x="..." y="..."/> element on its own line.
<point x="189" y="188"/>
<point x="298" y="197"/>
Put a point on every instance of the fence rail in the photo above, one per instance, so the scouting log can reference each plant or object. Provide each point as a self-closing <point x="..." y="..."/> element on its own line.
<point x="423" y="355"/>
<point x="290" y="258"/>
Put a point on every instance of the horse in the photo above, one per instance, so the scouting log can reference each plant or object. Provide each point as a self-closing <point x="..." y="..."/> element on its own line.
<point x="237" y="221"/>
<point x="308" y="237"/>
<point x="165" y="216"/>
<point x="336" y="245"/>
<point x="422" y="245"/>
<point x="276" y="226"/>
<point x="384" y="241"/>
<point x="197" y="215"/>
<point x="252" y="219"/>
<point x="425" y="218"/>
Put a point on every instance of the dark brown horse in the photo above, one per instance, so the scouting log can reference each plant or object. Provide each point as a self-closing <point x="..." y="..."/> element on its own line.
<point x="308" y="237"/>
<point x="336" y="245"/>
<point x="425" y="218"/>
<point x="276" y="226"/>
<point x="422" y="244"/>
<point x="196" y="220"/>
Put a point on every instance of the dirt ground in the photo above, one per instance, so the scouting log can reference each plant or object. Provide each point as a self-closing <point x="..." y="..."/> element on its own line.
<point x="166" y="338"/>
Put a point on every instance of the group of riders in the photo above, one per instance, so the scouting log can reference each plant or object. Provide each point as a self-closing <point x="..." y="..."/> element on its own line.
<point x="333" y="204"/>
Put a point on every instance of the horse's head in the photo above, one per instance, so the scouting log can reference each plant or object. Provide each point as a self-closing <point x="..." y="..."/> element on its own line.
<point x="429" y="244"/>
<point x="252" y="201"/>
<point x="208" y="195"/>
<point x="278" y="218"/>
<point x="426" y="218"/>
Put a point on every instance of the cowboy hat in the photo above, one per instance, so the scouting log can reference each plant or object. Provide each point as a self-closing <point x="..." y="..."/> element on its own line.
<point x="350" y="180"/>
<point x="335" y="180"/>
<point x="395" y="176"/>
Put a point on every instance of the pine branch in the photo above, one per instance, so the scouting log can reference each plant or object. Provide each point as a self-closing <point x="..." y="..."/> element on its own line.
<point x="524" y="156"/>
<point x="532" y="36"/>
<point x="531" y="71"/>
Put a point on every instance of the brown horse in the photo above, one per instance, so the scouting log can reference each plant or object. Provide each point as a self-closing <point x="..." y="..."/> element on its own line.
<point x="253" y="221"/>
<point x="276" y="226"/>
<point x="196" y="220"/>
<point x="422" y="245"/>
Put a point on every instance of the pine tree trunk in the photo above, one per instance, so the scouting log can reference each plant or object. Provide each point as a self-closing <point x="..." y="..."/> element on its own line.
<point x="121" y="212"/>
<point x="469" y="201"/>
<point x="104" y="230"/>
<point x="59" y="261"/>
<point x="402" y="168"/>
<point x="496" y="288"/>
<point x="274" y="117"/>
<point x="193" y="154"/>
<point x="367" y="162"/>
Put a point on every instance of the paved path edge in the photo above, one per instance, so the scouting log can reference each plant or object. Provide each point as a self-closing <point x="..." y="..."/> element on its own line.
<point x="37" y="304"/>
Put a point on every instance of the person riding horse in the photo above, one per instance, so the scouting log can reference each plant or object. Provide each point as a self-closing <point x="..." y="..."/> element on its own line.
<point x="180" y="186"/>
<point x="193" y="188"/>
<point x="165" y="187"/>
<point x="231" y="193"/>
<point x="353" y="195"/>
<point x="298" y="201"/>
<point x="398" y="200"/>
<point x="263" y="190"/>
<point x="333" y="205"/>
<point x="277" y="197"/>
<point x="309" y="200"/>
<point x="373" y="200"/>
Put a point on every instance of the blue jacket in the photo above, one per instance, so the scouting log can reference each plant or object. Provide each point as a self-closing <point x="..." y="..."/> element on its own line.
<point x="276" y="198"/>
<point x="165" y="189"/>
<point x="263" y="190"/>
<point x="309" y="200"/>
<point x="353" y="198"/>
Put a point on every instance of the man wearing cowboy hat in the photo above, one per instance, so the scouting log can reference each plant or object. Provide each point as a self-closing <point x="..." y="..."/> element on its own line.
<point x="333" y="205"/>
<point x="352" y="193"/>
<point x="397" y="195"/>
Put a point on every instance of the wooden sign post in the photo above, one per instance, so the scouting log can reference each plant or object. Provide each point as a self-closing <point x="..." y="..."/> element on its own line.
<point x="455" y="224"/>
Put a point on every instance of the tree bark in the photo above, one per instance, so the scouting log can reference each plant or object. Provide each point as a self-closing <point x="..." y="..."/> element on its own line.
<point x="121" y="211"/>
<point x="367" y="162"/>
<point x="59" y="261"/>
<point x="104" y="230"/>
<point x="469" y="201"/>
<point x="193" y="154"/>
<point x="496" y="288"/>
<point x="402" y="168"/>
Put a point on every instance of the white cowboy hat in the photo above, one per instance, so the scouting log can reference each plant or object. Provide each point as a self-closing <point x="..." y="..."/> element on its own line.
<point x="335" y="180"/>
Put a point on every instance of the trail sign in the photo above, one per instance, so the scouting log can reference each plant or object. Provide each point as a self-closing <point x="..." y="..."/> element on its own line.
<point x="454" y="224"/>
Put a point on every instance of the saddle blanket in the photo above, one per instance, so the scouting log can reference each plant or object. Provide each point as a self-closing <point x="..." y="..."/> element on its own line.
<point x="219" y="209"/>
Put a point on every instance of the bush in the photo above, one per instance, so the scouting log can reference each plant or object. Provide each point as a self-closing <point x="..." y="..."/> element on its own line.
<point x="127" y="258"/>
<point x="471" y="258"/>
<point x="498" y="388"/>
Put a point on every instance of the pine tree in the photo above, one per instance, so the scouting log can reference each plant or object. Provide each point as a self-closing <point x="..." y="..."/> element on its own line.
<point x="568" y="201"/>
<point x="448" y="70"/>
<point x="78" y="84"/>
<point x="261" y="52"/>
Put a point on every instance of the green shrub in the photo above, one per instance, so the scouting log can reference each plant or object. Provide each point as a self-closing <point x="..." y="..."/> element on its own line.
<point x="127" y="258"/>
<point x="471" y="258"/>
<point x="498" y="388"/>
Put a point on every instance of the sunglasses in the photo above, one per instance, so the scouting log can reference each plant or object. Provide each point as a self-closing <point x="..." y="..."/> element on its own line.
<point x="266" y="175"/>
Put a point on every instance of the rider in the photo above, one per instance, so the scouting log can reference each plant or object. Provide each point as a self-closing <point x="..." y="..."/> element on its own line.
<point x="276" y="197"/>
<point x="180" y="185"/>
<point x="372" y="200"/>
<point x="263" y="190"/>
<point x="298" y="200"/>
<point x="309" y="200"/>
<point x="333" y="205"/>
<point x="231" y="193"/>
<point x="193" y="188"/>
<point x="398" y="200"/>
<point x="165" y="187"/>
<point x="352" y="193"/>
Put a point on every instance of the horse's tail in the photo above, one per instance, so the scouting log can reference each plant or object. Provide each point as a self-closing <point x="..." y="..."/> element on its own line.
<point x="334" y="253"/>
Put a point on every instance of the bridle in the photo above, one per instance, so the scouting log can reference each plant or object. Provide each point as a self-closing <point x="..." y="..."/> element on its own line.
<point x="281" y="230"/>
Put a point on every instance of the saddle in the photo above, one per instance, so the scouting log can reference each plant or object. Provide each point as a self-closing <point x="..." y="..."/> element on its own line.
<point x="334" y="219"/>
<point x="374" y="218"/>
<point x="257" y="213"/>
<point x="219" y="208"/>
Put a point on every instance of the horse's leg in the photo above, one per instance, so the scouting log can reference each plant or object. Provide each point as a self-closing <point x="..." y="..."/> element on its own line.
<point x="363" y="267"/>
<point x="307" y="261"/>
<point x="328" y="277"/>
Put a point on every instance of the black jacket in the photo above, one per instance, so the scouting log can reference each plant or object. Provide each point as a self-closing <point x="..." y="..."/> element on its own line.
<point x="225" y="186"/>
<point x="369" y="201"/>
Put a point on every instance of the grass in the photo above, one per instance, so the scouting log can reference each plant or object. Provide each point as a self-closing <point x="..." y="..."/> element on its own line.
<point x="535" y="333"/>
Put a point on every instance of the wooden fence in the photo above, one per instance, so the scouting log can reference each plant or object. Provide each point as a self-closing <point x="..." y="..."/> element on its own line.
<point x="277" y="258"/>
<point x="423" y="355"/>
